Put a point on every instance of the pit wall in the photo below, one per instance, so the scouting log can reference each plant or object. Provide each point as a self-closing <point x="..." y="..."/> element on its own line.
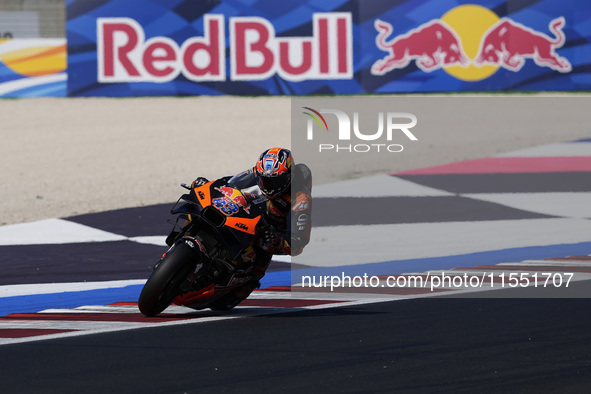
<point x="266" y="47"/>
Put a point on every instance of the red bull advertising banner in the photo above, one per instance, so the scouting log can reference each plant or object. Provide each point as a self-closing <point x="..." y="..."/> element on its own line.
<point x="264" y="47"/>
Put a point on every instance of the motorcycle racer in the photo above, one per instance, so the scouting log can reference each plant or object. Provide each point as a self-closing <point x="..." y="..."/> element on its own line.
<point x="287" y="188"/>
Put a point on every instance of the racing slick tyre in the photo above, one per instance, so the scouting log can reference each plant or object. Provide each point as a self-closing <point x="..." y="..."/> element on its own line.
<point x="163" y="285"/>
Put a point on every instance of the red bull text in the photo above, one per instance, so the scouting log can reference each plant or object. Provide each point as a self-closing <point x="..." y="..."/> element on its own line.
<point x="124" y="54"/>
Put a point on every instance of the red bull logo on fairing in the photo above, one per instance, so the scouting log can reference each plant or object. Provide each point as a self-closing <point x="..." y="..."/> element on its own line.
<point x="470" y="51"/>
<point x="233" y="198"/>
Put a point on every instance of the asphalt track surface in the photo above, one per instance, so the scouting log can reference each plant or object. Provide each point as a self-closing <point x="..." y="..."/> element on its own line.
<point x="414" y="346"/>
<point x="534" y="342"/>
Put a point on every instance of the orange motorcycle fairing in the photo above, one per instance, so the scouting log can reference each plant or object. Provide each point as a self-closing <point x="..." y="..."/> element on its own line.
<point x="203" y="194"/>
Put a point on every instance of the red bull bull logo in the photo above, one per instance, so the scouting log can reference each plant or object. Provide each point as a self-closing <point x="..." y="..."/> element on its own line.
<point x="470" y="51"/>
<point x="234" y="197"/>
<point x="508" y="43"/>
<point x="432" y="45"/>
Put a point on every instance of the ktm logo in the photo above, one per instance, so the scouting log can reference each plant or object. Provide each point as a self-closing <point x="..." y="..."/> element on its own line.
<point x="470" y="51"/>
<point x="241" y="226"/>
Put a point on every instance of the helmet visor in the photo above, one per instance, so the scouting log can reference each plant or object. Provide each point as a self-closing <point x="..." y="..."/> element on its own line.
<point x="272" y="186"/>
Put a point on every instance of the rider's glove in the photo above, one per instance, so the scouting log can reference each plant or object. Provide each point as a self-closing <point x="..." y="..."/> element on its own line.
<point x="270" y="240"/>
<point x="270" y="237"/>
<point x="199" y="182"/>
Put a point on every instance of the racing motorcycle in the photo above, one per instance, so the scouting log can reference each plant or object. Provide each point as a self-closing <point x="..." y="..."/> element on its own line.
<point x="211" y="249"/>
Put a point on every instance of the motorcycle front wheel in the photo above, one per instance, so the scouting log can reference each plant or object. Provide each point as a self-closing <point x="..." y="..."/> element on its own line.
<point x="163" y="285"/>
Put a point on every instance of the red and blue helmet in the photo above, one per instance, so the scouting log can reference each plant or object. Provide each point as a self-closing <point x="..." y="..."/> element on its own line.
<point x="273" y="171"/>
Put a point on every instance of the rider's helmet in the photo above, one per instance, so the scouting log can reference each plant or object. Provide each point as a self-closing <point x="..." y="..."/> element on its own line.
<point x="273" y="171"/>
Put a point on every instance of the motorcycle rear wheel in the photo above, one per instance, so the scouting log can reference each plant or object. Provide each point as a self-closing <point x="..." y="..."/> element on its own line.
<point x="162" y="286"/>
